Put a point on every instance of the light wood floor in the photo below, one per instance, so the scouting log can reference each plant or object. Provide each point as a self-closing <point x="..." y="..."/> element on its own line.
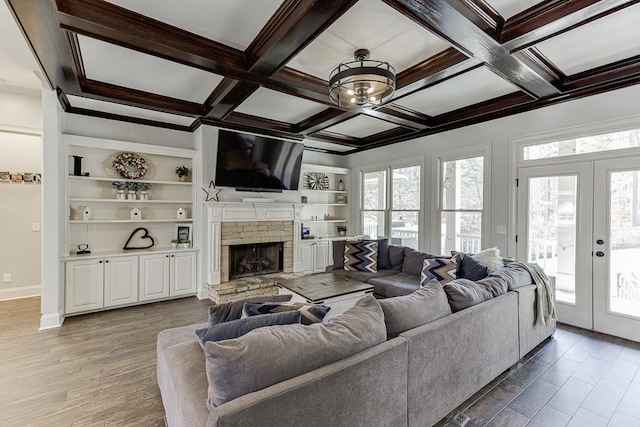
<point x="96" y="370"/>
<point x="100" y="370"/>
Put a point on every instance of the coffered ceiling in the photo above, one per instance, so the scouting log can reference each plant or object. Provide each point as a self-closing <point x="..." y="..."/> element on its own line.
<point x="263" y="66"/>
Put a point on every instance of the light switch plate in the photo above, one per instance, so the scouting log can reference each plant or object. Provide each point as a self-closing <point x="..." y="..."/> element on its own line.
<point x="501" y="229"/>
<point x="6" y="278"/>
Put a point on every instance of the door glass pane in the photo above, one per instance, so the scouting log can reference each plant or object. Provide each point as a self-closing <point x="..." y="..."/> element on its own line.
<point x="463" y="183"/>
<point x="406" y="188"/>
<point x="374" y="190"/>
<point x="373" y="223"/>
<point x="624" y="246"/>
<point x="461" y="231"/>
<point x="552" y="231"/>
<point x="404" y="229"/>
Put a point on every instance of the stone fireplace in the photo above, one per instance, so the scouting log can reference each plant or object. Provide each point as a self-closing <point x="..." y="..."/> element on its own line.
<point x="249" y="225"/>
<point x="255" y="259"/>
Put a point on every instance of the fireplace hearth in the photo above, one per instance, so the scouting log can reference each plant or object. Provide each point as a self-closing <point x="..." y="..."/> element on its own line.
<point x="255" y="259"/>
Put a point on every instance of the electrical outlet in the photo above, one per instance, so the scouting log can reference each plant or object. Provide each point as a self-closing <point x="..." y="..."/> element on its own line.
<point x="501" y="229"/>
<point x="6" y="277"/>
<point x="460" y="419"/>
<point x="35" y="226"/>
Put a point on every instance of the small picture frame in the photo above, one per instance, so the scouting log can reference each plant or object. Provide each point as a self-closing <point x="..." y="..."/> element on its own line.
<point x="5" y="177"/>
<point x="303" y="199"/>
<point x="28" y="177"/>
<point x="16" y="177"/>
<point x="184" y="232"/>
<point x="341" y="198"/>
<point x="37" y="178"/>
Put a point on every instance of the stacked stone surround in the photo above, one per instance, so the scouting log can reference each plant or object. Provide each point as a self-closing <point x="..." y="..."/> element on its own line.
<point x="244" y="233"/>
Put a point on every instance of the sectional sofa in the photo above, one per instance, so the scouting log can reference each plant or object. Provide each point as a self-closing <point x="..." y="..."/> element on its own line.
<point x="412" y="379"/>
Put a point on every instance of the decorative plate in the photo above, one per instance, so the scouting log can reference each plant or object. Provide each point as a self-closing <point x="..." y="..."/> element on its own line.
<point x="317" y="181"/>
<point x="130" y="165"/>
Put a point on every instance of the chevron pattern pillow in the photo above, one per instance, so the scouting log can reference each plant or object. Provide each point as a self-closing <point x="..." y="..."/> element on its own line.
<point x="310" y="313"/>
<point x="441" y="269"/>
<point x="361" y="256"/>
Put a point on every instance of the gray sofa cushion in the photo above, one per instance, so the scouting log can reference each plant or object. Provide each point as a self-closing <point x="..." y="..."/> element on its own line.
<point x="425" y="305"/>
<point x="338" y="254"/>
<point x="396" y="257"/>
<point x="394" y="285"/>
<point x="463" y="293"/>
<point x="364" y="276"/>
<point x="496" y="284"/>
<point x="232" y="310"/>
<point x="413" y="261"/>
<point x="515" y="275"/>
<point x="237" y="328"/>
<point x="270" y="355"/>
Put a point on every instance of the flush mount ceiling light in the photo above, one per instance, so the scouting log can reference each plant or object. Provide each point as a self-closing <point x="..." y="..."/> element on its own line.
<point x="362" y="83"/>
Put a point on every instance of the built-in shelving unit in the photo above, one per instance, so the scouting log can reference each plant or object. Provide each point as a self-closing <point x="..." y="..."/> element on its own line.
<point x="110" y="276"/>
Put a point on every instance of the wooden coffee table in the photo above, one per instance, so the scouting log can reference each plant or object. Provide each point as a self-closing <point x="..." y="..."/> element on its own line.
<point x="339" y="293"/>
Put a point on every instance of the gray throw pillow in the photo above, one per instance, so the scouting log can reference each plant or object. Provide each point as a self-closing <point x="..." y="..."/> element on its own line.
<point x="463" y="293"/>
<point x="413" y="260"/>
<point x="425" y="305"/>
<point x="237" y="328"/>
<point x="311" y="313"/>
<point x="232" y="310"/>
<point x="267" y="356"/>
<point x="338" y="254"/>
<point x="383" y="253"/>
<point x="396" y="257"/>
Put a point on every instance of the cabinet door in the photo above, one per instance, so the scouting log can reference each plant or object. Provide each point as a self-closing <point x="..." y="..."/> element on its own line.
<point x="183" y="273"/>
<point x="305" y="257"/>
<point x="120" y="281"/>
<point x="320" y="257"/>
<point x="154" y="277"/>
<point x="84" y="288"/>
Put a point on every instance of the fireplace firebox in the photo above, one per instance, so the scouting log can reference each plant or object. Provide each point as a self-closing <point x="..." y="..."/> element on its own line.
<point x="255" y="259"/>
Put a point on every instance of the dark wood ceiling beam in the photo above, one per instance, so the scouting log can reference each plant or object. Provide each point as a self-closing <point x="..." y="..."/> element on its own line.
<point x="324" y="119"/>
<point x="37" y="21"/>
<point x="481" y="14"/>
<point x="297" y="83"/>
<point x="440" y="17"/>
<point x="296" y="24"/>
<point x="541" y="64"/>
<point x="398" y="116"/>
<point x="259" y="122"/>
<point x="241" y="127"/>
<point x="389" y="134"/>
<point x="336" y="138"/>
<point x="108" y="22"/>
<point x="137" y="98"/>
<point x="552" y="17"/>
<point x="607" y="74"/>
<point x="489" y="108"/>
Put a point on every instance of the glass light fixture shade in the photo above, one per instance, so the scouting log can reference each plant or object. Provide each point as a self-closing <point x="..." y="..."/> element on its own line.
<point x="362" y="83"/>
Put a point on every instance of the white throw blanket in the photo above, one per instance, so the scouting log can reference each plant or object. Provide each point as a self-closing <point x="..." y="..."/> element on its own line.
<point x="545" y="303"/>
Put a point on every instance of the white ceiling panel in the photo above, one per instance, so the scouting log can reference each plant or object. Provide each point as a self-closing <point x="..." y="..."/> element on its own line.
<point x="369" y="24"/>
<point x="467" y="89"/>
<point x="361" y="126"/>
<point x="600" y="42"/>
<point x="234" y="23"/>
<point x="126" y="110"/>
<point x="17" y="64"/>
<point x="509" y="8"/>
<point x="279" y="106"/>
<point x="120" y="66"/>
<point x="326" y="145"/>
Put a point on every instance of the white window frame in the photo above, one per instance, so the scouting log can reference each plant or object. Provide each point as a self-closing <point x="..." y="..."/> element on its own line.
<point x="438" y="159"/>
<point x="388" y="202"/>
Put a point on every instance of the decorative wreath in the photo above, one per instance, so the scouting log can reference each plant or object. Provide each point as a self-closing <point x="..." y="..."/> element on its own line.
<point x="130" y="165"/>
<point x="317" y="181"/>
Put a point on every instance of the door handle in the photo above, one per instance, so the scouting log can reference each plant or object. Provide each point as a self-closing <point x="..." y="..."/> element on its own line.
<point x="599" y="254"/>
<point x="600" y="242"/>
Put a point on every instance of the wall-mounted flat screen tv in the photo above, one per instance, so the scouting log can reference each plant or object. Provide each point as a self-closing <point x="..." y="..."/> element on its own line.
<point x="257" y="163"/>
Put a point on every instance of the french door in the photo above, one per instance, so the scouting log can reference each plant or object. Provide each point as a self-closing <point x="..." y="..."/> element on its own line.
<point x="581" y="223"/>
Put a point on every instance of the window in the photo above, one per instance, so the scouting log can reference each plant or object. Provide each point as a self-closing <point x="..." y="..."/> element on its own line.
<point x="461" y="216"/>
<point x="391" y="204"/>
<point x="582" y="145"/>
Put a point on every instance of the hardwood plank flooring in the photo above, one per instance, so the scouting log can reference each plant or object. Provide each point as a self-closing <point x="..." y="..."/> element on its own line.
<point x="100" y="370"/>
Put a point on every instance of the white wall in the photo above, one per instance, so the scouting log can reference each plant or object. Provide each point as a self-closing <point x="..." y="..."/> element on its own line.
<point x="498" y="133"/>
<point x="20" y="203"/>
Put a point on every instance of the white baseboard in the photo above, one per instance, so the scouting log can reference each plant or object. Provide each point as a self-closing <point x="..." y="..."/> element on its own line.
<point x="48" y="321"/>
<point x="203" y="293"/>
<point x="20" y="292"/>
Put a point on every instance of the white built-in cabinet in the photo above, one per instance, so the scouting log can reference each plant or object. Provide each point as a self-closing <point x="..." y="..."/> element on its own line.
<point x="315" y="256"/>
<point x="167" y="275"/>
<point x="111" y="276"/>
<point x="94" y="284"/>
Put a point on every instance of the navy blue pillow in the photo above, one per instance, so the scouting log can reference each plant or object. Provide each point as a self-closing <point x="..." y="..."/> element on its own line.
<point x="471" y="269"/>
<point x="383" y="252"/>
<point x="237" y="328"/>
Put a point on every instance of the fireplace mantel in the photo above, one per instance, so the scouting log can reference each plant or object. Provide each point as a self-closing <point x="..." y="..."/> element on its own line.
<point x="247" y="218"/>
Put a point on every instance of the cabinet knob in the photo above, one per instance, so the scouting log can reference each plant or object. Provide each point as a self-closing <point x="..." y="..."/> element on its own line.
<point x="167" y="256"/>
<point x="100" y="262"/>
<point x="171" y="256"/>
<point x="107" y="261"/>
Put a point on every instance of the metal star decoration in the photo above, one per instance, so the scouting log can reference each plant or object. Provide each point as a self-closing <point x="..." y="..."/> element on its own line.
<point x="212" y="192"/>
